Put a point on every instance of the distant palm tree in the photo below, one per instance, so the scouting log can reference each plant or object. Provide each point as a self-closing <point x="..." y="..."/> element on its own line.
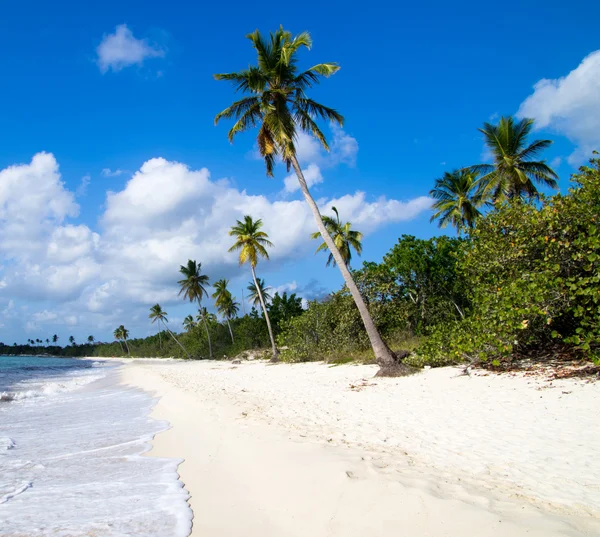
<point x="47" y="341"/>
<point x="458" y="198"/>
<point x="276" y="103"/>
<point x="71" y="340"/>
<point x="54" y="338"/>
<point x="157" y="314"/>
<point x="189" y="324"/>
<point x="344" y="237"/>
<point x="121" y="334"/>
<point x="193" y="286"/>
<point x="514" y="172"/>
<point x="257" y="290"/>
<point x="252" y="243"/>
<point x="91" y="339"/>
<point x="224" y="302"/>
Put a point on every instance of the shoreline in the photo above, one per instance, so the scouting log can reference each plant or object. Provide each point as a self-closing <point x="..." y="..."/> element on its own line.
<point x="245" y="453"/>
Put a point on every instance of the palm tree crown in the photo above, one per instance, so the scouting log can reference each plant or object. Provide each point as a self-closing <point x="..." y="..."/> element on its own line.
<point x="254" y="296"/>
<point x="458" y="198"/>
<point x="157" y="314"/>
<point x="277" y="101"/>
<point x="344" y="237"/>
<point x="189" y="324"/>
<point x="514" y="172"/>
<point x="250" y="240"/>
<point x="193" y="285"/>
<point x="221" y="294"/>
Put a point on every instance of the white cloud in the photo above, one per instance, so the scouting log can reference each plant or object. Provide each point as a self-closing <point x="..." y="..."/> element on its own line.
<point x="122" y="49"/>
<point x="107" y="172"/>
<point x="82" y="188"/>
<point x="312" y="175"/>
<point x="44" y="316"/>
<point x="165" y="214"/>
<point x="570" y="106"/>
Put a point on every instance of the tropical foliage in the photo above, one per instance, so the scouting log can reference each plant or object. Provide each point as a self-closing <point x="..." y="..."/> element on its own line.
<point x="344" y="237"/>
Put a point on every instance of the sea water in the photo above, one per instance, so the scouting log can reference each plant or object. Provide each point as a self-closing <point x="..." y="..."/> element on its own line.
<point x="72" y="441"/>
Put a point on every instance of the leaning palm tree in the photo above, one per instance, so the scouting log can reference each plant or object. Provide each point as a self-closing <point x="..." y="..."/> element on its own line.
<point x="344" y="237"/>
<point x="121" y="334"/>
<point x="257" y="290"/>
<point x="514" y="172"/>
<point x="252" y="243"/>
<point x="278" y="105"/>
<point x="458" y="198"/>
<point x="193" y="286"/>
<point x="158" y="315"/>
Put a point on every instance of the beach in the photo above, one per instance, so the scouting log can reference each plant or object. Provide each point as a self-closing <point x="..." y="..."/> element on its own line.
<point x="310" y="449"/>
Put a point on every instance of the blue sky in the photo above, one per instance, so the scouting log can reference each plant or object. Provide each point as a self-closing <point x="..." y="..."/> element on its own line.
<point x="103" y="89"/>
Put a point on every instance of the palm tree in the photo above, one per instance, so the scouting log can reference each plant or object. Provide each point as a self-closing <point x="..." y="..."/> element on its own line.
<point x="279" y="106"/>
<point x="458" y="198"/>
<point x="91" y="339"/>
<point x="257" y="290"/>
<point x="157" y="314"/>
<point x="514" y="172"/>
<point x="71" y="340"/>
<point x="224" y="301"/>
<point x="189" y="324"/>
<point x="229" y="310"/>
<point x="54" y="338"/>
<point x="47" y="341"/>
<point x="344" y="237"/>
<point x="121" y="334"/>
<point x="193" y="287"/>
<point x="251" y="243"/>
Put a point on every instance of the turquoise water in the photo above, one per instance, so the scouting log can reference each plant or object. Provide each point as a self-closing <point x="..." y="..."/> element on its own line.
<point x="72" y="441"/>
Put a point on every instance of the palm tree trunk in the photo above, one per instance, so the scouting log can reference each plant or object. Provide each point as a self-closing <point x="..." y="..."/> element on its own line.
<point x="230" y="331"/>
<point x="264" y="308"/>
<point x="207" y="332"/>
<point x="121" y="344"/>
<point x="176" y="341"/>
<point x="126" y="345"/>
<point x="159" y="338"/>
<point x="384" y="356"/>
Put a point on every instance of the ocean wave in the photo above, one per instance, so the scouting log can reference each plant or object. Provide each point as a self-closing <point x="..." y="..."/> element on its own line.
<point x="6" y="443"/>
<point x="47" y="388"/>
<point x="16" y="492"/>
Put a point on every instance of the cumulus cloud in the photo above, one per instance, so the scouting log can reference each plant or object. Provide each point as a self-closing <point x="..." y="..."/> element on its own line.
<point x="570" y="105"/>
<point x="121" y="49"/>
<point x="312" y="175"/>
<point x="165" y="214"/>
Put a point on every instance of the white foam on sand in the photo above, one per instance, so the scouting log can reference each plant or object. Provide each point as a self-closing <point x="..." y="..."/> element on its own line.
<point x="72" y="463"/>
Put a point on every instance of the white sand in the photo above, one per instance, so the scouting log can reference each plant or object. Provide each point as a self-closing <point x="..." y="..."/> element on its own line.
<point x="312" y="450"/>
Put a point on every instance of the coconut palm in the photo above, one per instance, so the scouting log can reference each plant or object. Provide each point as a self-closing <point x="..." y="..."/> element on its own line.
<point x="276" y="102"/>
<point x="257" y="290"/>
<point x="458" y="197"/>
<point x="91" y="339"/>
<point x="71" y="340"/>
<point x="229" y="308"/>
<point x="344" y="237"/>
<point x="252" y="244"/>
<point x="514" y="172"/>
<point x="54" y="338"/>
<point x="193" y="286"/>
<point x="223" y="301"/>
<point x="121" y="334"/>
<point x="189" y="324"/>
<point x="158" y="315"/>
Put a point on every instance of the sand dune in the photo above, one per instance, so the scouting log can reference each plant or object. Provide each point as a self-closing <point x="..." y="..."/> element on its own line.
<point x="314" y="450"/>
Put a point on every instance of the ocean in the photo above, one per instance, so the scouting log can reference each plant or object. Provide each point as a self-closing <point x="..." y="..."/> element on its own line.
<point x="71" y="455"/>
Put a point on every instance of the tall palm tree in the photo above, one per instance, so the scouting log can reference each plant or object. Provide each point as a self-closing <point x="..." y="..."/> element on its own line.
<point x="257" y="290"/>
<point x="229" y="310"/>
<point x="278" y="105"/>
<point x="121" y="334"/>
<point x="71" y="340"/>
<point x="223" y="301"/>
<point x="157" y="314"/>
<point x="252" y="244"/>
<point x="189" y="324"/>
<point x="344" y="237"/>
<point x="458" y="197"/>
<point x="54" y="338"/>
<point x="514" y="172"/>
<point x="193" y="286"/>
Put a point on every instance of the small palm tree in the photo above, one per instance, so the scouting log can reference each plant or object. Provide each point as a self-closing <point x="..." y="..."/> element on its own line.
<point x="158" y="315"/>
<point x="229" y="311"/>
<point x="252" y="244"/>
<point x="257" y="290"/>
<point x="121" y="334"/>
<point x="189" y="324"/>
<point x="193" y="286"/>
<point x="54" y="338"/>
<point x="514" y="172"/>
<point x="344" y="237"/>
<point x="91" y="339"/>
<point x="458" y="197"/>
<point x="276" y="102"/>
<point x="224" y="301"/>
<point x="71" y="340"/>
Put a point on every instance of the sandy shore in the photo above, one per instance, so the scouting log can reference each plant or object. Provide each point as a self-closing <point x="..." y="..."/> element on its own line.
<point x="307" y="449"/>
